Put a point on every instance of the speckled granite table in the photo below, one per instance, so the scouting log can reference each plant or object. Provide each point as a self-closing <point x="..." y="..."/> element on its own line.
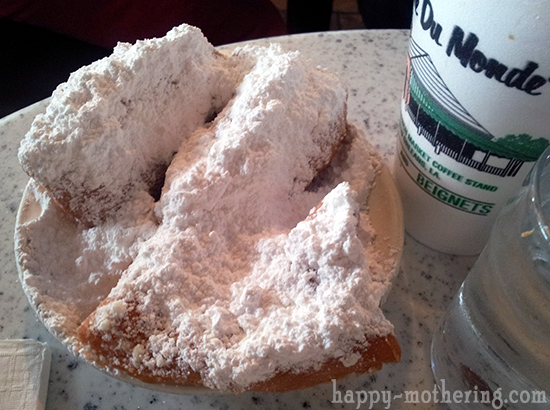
<point x="373" y="65"/>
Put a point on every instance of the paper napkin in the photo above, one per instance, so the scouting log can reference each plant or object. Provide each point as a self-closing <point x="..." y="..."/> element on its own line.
<point x="24" y="374"/>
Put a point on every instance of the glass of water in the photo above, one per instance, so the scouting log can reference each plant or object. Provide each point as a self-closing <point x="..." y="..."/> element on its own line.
<point x="492" y="349"/>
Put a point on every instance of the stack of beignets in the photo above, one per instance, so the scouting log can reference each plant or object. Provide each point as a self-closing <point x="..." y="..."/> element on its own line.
<point x="256" y="276"/>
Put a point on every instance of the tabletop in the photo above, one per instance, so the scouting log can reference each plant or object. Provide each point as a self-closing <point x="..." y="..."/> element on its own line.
<point x="372" y="63"/>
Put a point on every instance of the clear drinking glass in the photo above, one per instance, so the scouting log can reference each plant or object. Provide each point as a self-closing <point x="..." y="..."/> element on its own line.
<point x="492" y="349"/>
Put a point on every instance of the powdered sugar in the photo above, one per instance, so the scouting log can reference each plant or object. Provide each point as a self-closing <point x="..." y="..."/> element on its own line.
<point x="253" y="261"/>
<point x="114" y="126"/>
<point x="68" y="270"/>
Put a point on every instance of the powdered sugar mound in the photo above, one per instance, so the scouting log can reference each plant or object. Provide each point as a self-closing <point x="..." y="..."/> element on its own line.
<point x="114" y="126"/>
<point x="308" y="296"/>
<point x="271" y="140"/>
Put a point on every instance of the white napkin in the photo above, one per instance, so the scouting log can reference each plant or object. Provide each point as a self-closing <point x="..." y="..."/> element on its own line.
<point x="24" y="374"/>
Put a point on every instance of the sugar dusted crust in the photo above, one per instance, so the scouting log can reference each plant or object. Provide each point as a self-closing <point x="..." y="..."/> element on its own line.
<point x="375" y="352"/>
<point x="250" y="271"/>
